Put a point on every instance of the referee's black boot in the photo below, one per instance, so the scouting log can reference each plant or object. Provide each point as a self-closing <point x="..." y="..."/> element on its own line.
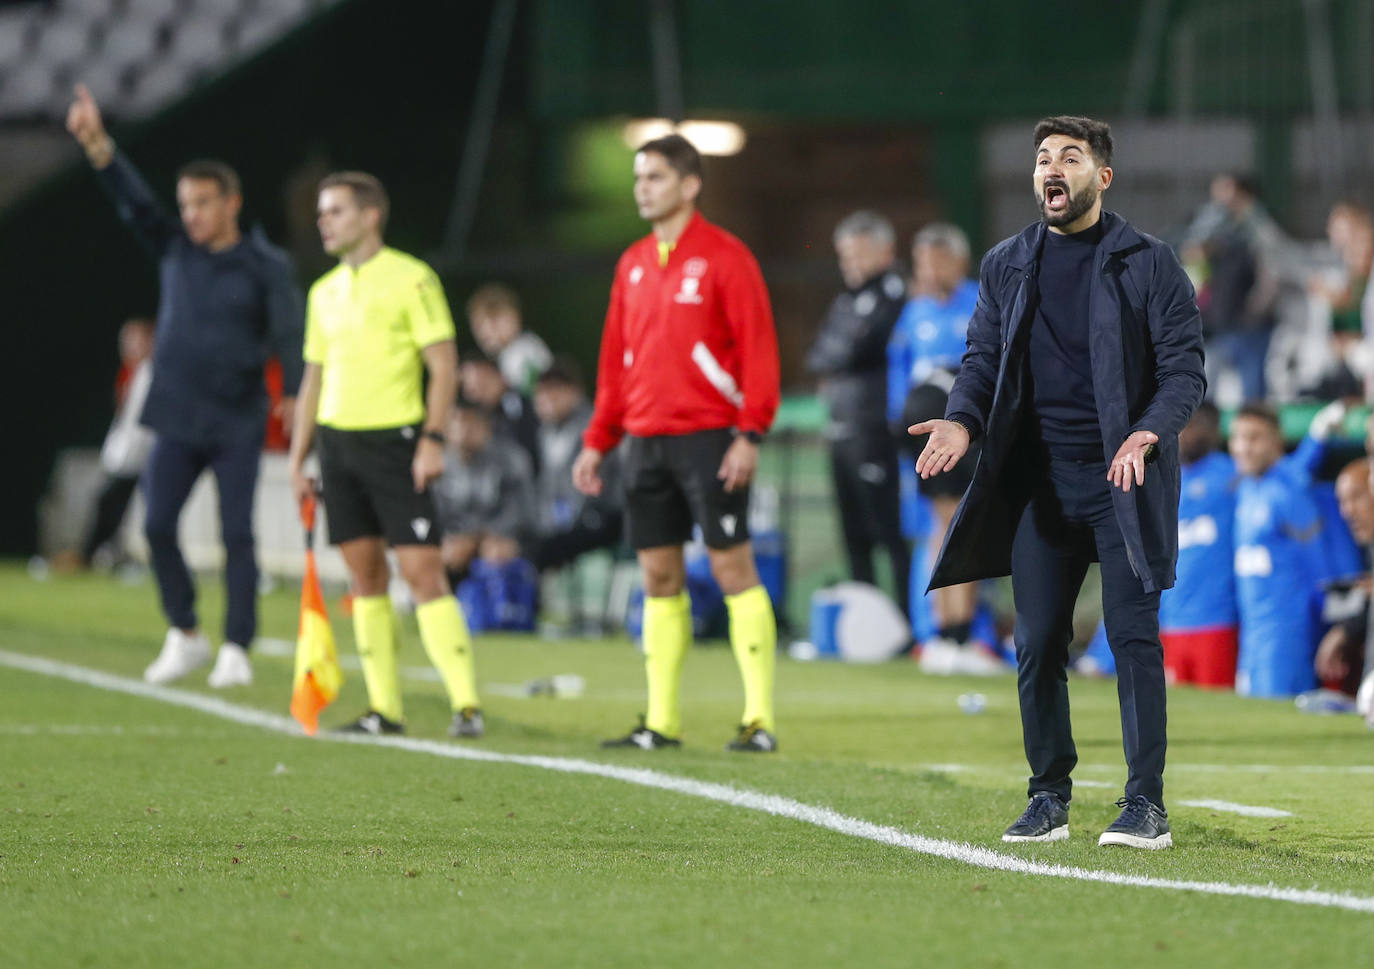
<point x="643" y="737"/>
<point x="753" y="739"/>
<point x="467" y="724"/>
<point x="374" y="723"/>
<point x="1046" y="818"/>
<point x="1141" y="824"/>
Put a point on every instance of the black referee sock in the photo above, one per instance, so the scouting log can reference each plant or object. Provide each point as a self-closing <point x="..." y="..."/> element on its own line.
<point x="959" y="632"/>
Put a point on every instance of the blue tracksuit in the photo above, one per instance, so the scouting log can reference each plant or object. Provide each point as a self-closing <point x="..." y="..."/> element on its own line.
<point x="929" y="335"/>
<point x="1278" y="564"/>
<point x="1205" y="594"/>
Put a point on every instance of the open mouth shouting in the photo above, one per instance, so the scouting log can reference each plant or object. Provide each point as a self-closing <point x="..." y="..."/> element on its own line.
<point x="1056" y="195"/>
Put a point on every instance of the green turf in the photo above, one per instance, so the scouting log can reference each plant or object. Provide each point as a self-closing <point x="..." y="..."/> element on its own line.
<point x="134" y="833"/>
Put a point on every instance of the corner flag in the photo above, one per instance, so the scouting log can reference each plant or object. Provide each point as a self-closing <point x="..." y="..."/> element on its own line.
<point x="318" y="676"/>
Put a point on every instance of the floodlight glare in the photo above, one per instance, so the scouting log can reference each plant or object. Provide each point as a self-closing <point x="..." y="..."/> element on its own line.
<point x="710" y="137"/>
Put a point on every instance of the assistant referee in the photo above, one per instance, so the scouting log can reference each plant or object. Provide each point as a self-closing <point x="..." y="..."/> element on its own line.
<point x="689" y="370"/>
<point x="372" y="323"/>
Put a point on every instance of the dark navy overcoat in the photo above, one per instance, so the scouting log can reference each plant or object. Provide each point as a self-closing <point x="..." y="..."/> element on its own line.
<point x="1145" y="340"/>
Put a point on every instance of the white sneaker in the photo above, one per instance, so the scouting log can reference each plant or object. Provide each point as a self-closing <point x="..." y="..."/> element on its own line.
<point x="938" y="656"/>
<point x="181" y="653"/>
<point x="977" y="661"/>
<point x="232" y="667"/>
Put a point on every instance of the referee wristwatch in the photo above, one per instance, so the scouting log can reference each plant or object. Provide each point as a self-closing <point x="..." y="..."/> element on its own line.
<point x="753" y="437"/>
<point x="434" y="435"/>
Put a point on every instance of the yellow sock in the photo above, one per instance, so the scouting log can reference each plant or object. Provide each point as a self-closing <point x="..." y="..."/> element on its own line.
<point x="667" y="637"/>
<point x="754" y="638"/>
<point x="445" y="634"/>
<point x="374" y="627"/>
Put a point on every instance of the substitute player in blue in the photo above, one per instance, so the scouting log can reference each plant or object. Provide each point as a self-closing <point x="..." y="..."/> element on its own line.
<point x="227" y="303"/>
<point x="923" y="357"/>
<point x="1279" y="560"/>
<point x="1197" y="617"/>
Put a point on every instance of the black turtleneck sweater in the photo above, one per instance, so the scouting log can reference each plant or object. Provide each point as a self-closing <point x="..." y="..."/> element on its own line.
<point x="1061" y="368"/>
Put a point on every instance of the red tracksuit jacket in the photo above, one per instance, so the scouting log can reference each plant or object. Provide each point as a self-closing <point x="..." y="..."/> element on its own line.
<point x="688" y="347"/>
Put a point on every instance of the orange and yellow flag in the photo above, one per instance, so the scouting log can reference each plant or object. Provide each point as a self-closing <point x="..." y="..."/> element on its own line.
<point x="318" y="676"/>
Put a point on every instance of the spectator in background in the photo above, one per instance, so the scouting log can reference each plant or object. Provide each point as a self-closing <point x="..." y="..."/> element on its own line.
<point x="569" y="523"/>
<point x="1278" y="559"/>
<point x="512" y="414"/>
<point x="1197" y="617"/>
<point x="485" y="494"/>
<point x="497" y="326"/>
<point x="1235" y="239"/>
<point x="1351" y="235"/>
<point x="1341" y="661"/>
<point x="126" y="447"/>
<point x="850" y="356"/>
<point x="227" y="302"/>
<point x="923" y="358"/>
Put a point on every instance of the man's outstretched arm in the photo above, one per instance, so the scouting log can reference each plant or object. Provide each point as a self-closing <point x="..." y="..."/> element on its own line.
<point x="132" y="197"/>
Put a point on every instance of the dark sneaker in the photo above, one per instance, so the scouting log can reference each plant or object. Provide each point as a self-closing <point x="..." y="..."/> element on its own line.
<point x="467" y="724"/>
<point x="753" y="739"/>
<point x="643" y="738"/>
<point x="1046" y="818"/>
<point x="1142" y="824"/>
<point x="374" y="723"/>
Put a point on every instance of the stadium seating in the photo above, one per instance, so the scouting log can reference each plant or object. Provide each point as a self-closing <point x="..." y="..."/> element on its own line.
<point x="136" y="55"/>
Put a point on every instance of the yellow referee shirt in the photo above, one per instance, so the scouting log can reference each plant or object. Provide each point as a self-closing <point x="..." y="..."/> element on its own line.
<point x="365" y="327"/>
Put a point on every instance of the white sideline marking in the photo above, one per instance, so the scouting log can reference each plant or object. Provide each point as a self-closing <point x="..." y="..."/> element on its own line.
<point x="821" y="817"/>
<point x="1020" y="769"/>
<point x="1249" y="810"/>
<point x="86" y="729"/>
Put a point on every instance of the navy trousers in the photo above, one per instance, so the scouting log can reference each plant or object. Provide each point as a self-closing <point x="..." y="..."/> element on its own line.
<point x="1067" y="524"/>
<point x="173" y="467"/>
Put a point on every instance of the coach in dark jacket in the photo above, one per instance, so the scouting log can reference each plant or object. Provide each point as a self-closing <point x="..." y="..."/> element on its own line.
<point x="226" y="303"/>
<point x="1084" y="362"/>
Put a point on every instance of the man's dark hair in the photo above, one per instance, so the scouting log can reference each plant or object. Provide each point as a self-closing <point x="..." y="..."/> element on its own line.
<point x="562" y="372"/>
<point x="1097" y="134"/>
<point x="493" y="298"/>
<point x="682" y="156"/>
<point x="1208" y="415"/>
<point x="1246" y="183"/>
<point x="209" y="170"/>
<point x="367" y="190"/>
<point x="1260" y="411"/>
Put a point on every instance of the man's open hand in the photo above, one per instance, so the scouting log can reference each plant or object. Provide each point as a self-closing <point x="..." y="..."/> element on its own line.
<point x="1128" y="466"/>
<point x="948" y="443"/>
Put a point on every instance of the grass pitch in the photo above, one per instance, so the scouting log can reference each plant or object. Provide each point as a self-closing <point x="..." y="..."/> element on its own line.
<point x="138" y="833"/>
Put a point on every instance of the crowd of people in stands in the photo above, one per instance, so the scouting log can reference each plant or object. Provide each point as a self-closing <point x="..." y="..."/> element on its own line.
<point x="1274" y="590"/>
<point x="507" y="506"/>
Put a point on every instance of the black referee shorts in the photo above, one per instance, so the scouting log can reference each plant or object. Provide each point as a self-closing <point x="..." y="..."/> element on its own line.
<point x="670" y="482"/>
<point x="368" y="488"/>
<point x="926" y="402"/>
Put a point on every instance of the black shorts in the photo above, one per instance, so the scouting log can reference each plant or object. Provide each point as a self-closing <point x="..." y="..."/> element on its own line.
<point x="926" y="402"/>
<point x="670" y="482"/>
<point x="368" y="488"/>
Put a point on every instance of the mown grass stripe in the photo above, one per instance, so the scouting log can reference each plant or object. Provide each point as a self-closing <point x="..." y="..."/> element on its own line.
<point x="821" y="817"/>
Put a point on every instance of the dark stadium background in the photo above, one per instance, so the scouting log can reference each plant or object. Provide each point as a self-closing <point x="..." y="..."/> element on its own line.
<point x="846" y="104"/>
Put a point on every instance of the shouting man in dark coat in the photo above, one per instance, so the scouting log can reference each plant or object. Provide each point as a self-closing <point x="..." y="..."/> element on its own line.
<point x="1084" y="362"/>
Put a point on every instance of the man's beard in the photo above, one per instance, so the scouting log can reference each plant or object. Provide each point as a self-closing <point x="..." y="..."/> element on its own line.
<point x="1079" y="206"/>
